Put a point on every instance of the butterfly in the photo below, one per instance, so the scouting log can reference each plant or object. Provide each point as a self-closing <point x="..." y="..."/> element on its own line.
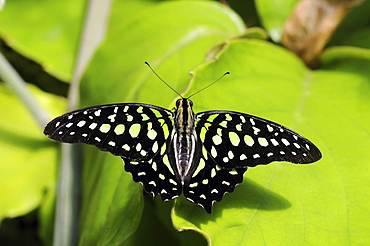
<point x="200" y="155"/>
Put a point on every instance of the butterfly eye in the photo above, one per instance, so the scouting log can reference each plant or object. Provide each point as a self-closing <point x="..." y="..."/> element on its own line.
<point x="178" y="103"/>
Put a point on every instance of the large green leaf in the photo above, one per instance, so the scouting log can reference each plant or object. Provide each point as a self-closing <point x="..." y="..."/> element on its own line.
<point x="321" y="203"/>
<point x="174" y="37"/>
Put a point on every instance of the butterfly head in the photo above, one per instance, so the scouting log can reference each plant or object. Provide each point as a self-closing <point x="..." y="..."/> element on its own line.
<point x="183" y="103"/>
<point x="184" y="115"/>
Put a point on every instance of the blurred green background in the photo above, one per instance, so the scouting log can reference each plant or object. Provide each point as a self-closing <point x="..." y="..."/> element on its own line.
<point x="327" y="100"/>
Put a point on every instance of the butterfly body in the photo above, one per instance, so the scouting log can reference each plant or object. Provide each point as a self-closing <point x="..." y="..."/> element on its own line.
<point x="202" y="156"/>
<point x="184" y="147"/>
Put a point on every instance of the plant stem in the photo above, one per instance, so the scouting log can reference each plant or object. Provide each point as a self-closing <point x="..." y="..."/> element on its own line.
<point x="17" y="84"/>
<point x="68" y="203"/>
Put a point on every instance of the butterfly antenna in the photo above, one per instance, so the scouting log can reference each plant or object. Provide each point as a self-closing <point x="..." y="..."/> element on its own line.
<point x="162" y="79"/>
<point x="209" y="84"/>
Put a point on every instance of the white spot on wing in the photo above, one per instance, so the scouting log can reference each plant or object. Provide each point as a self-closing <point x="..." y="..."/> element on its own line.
<point x="97" y="112"/>
<point x="213" y="152"/>
<point x="256" y="130"/>
<point x="81" y="123"/>
<point x="230" y="154"/>
<point x="104" y="128"/>
<point x="119" y="129"/>
<point x="297" y="145"/>
<point x="217" y="139"/>
<point x="234" y="138"/>
<point x="213" y="172"/>
<point x="263" y="142"/>
<point x="134" y="130"/>
<point x="154" y="166"/>
<point x="274" y="142"/>
<point x="112" y="117"/>
<point x="248" y="140"/>
<point x="129" y="117"/>
<point x="152" y="134"/>
<point x="93" y="125"/>
<point x="270" y="128"/>
<point x="285" y="142"/>
<point x="143" y="152"/>
<point x="255" y="156"/>
<point x="138" y="147"/>
<point x="126" y="147"/>
<point x="155" y="147"/>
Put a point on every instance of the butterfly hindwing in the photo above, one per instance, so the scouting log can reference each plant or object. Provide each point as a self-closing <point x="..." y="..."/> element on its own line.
<point x="156" y="176"/>
<point x="236" y="140"/>
<point x="210" y="182"/>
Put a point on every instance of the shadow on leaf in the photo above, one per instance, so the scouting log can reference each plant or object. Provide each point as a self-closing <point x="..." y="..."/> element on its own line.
<point x="248" y="194"/>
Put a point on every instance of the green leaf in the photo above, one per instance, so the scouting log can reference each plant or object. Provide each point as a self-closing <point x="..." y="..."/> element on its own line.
<point x="174" y="37"/>
<point x="53" y="33"/>
<point x="273" y="15"/>
<point x="28" y="160"/>
<point x="295" y="204"/>
<point x="188" y="35"/>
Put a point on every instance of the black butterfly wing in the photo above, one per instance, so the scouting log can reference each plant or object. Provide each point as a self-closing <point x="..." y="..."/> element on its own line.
<point x="240" y="140"/>
<point x="136" y="132"/>
<point x="232" y="142"/>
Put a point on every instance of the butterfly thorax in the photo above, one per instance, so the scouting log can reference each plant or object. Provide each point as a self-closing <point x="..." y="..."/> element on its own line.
<point x="184" y="139"/>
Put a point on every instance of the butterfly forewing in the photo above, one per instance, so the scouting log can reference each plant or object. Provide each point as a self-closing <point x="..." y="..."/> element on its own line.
<point x="235" y="140"/>
<point x="127" y="130"/>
